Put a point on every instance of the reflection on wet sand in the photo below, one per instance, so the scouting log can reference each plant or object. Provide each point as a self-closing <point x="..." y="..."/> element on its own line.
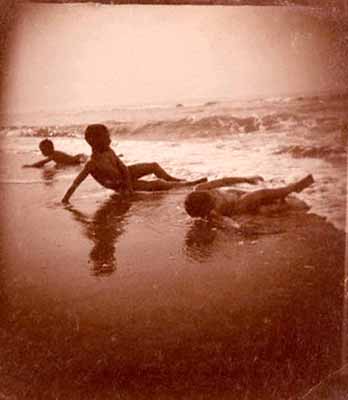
<point x="199" y="241"/>
<point x="48" y="175"/>
<point x="233" y="316"/>
<point x="204" y="238"/>
<point x="104" y="230"/>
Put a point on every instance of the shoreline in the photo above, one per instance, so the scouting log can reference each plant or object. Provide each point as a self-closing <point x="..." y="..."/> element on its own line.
<point x="326" y="197"/>
<point x="184" y="311"/>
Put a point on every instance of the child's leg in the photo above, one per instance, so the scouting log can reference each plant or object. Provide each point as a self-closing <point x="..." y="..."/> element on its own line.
<point x="215" y="183"/>
<point x="229" y="181"/>
<point x="253" y="200"/>
<point x="303" y="183"/>
<point x="137" y="171"/>
<point x="160" y="184"/>
<point x="250" y="201"/>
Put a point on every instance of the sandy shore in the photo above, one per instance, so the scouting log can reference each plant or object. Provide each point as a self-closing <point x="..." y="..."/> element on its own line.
<point x="117" y="300"/>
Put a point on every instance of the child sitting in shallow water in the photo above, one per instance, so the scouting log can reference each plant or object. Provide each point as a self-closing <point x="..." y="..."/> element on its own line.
<point x="209" y="203"/>
<point x="59" y="157"/>
<point x="108" y="170"/>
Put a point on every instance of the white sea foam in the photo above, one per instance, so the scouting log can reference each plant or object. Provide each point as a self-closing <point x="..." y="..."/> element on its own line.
<point x="209" y="141"/>
<point x="20" y="181"/>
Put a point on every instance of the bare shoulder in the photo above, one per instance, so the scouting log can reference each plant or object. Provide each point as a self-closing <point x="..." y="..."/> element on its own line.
<point x="90" y="163"/>
<point x="113" y="155"/>
<point x="62" y="158"/>
<point x="57" y="155"/>
<point x="105" y="155"/>
<point x="89" y="166"/>
<point x="106" y="161"/>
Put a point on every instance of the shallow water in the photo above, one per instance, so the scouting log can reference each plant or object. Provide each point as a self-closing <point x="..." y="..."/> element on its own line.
<point x="242" y="155"/>
<point x="108" y="298"/>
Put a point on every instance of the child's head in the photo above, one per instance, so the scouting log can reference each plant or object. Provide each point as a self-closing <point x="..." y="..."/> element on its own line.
<point x="46" y="147"/>
<point x="98" y="137"/>
<point x="199" y="203"/>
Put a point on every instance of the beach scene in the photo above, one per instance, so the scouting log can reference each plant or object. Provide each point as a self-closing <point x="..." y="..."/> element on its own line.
<point x="115" y="297"/>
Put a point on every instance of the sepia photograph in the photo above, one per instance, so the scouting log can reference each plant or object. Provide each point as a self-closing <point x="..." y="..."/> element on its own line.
<point x="173" y="185"/>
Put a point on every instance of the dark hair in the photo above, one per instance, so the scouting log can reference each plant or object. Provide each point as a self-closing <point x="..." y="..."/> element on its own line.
<point x="98" y="137"/>
<point x="199" y="203"/>
<point x="46" y="146"/>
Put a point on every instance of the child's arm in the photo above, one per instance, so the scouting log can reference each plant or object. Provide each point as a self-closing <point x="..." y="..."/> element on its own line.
<point x="78" y="180"/>
<point x="81" y="158"/>
<point x="215" y="216"/>
<point x="229" y="181"/>
<point x="38" y="164"/>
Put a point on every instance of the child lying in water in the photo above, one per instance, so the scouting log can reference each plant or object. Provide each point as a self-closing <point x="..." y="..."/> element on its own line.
<point x="59" y="157"/>
<point x="108" y="170"/>
<point x="207" y="202"/>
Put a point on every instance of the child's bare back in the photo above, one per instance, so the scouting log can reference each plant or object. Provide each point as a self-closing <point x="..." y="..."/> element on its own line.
<point x="207" y="201"/>
<point x="105" y="167"/>
<point x="59" y="157"/>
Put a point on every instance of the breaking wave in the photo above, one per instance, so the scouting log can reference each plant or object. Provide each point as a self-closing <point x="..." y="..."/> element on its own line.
<point x="330" y="153"/>
<point x="189" y="126"/>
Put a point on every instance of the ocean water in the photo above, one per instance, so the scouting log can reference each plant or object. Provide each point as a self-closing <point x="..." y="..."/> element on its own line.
<point x="281" y="139"/>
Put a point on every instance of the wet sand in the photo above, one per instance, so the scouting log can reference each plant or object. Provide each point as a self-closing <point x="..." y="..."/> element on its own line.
<point x="111" y="299"/>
